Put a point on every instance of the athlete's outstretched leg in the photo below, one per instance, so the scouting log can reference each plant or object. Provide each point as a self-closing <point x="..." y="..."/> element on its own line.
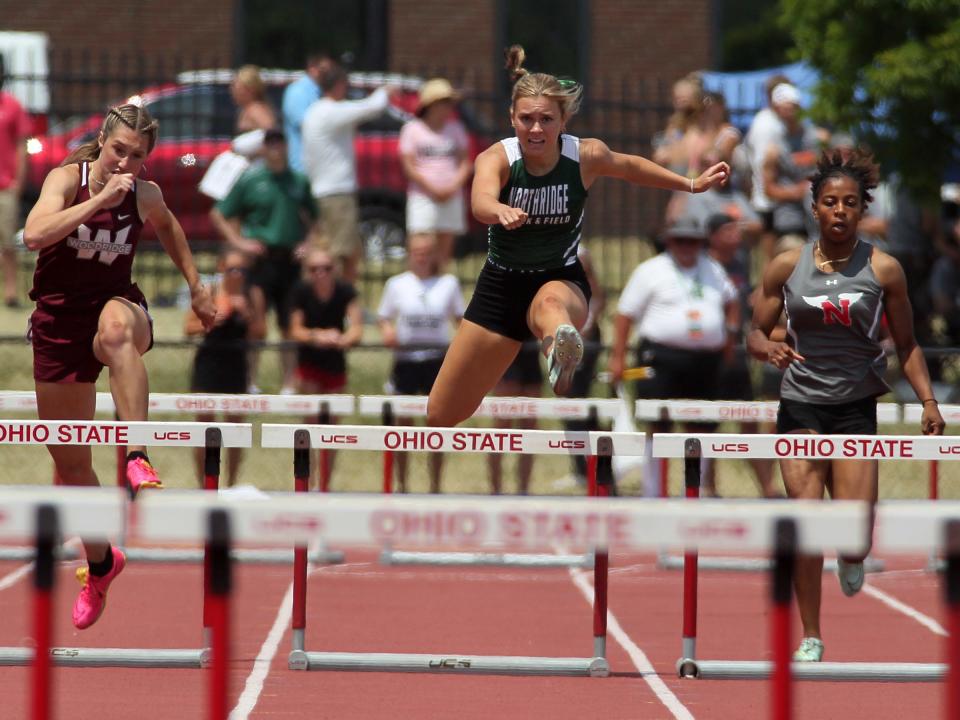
<point x="473" y="365"/>
<point x="558" y="311"/>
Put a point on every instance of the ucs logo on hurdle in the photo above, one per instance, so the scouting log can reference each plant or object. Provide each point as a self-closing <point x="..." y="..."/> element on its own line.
<point x="449" y="663"/>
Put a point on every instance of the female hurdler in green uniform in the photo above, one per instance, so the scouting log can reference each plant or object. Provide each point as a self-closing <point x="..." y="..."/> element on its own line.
<point x="530" y="189"/>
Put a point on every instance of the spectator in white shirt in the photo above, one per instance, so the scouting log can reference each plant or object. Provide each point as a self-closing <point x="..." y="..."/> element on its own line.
<point x="684" y="309"/>
<point x="416" y="313"/>
<point x="328" y="158"/>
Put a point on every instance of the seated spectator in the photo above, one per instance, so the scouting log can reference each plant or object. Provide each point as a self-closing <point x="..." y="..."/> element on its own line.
<point x="678" y="146"/>
<point x="220" y="365"/>
<point x="325" y="320"/>
<point x="416" y="312"/>
<point x="717" y="137"/>
<point x="434" y="151"/>
<point x="681" y="304"/>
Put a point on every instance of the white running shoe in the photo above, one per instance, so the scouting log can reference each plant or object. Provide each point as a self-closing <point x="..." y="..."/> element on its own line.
<point x="810" y="650"/>
<point x="850" y="575"/>
<point x="565" y="356"/>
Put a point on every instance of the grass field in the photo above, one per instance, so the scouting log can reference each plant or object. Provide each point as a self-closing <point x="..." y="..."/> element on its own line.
<point x="169" y="371"/>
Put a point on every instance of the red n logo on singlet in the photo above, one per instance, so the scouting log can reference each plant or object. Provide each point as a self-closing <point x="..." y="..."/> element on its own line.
<point x="832" y="314"/>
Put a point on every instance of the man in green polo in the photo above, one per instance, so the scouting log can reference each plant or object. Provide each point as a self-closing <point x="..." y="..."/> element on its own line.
<point x="267" y="216"/>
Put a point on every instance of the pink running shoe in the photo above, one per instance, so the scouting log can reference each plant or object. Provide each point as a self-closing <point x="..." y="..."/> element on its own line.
<point x="140" y="475"/>
<point x="93" y="597"/>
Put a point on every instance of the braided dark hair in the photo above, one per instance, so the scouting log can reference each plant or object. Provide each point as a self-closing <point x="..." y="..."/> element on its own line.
<point x="857" y="164"/>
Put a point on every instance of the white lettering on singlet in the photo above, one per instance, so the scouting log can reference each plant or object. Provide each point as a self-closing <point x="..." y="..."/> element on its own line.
<point x="102" y="243"/>
<point x="545" y="206"/>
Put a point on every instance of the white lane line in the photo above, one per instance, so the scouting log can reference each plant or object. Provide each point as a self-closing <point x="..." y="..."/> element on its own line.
<point x="261" y="666"/>
<point x="637" y="656"/>
<point x="928" y="622"/>
<point x="12" y="578"/>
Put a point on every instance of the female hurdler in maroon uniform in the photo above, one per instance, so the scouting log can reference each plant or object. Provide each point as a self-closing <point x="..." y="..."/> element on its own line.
<point x="89" y="313"/>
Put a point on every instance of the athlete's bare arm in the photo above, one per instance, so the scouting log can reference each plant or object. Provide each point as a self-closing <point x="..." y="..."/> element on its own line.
<point x="490" y="175"/>
<point x="766" y="312"/>
<point x="597" y="160"/>
<point x="154" y="210"/>
<point x="896" y="306"/>
<point x="53" y="217"/>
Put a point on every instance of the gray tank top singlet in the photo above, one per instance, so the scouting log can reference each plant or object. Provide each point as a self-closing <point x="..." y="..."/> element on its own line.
<point x="833" y="321"/>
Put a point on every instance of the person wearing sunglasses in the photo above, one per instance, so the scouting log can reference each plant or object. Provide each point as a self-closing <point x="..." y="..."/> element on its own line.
<point x="220" y="365"/>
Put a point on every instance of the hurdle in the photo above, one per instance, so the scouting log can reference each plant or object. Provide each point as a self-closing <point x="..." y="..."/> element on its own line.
<point x="390" y="407"/>
<point x="380" y="438"/>
<point x="735" y="411"/>
<point x="913" y="412"/>
<point x="322" y="407"/>
<point x="820" y="447"/>
<point x="212" y="436"/>
<point x="99" y="513"/>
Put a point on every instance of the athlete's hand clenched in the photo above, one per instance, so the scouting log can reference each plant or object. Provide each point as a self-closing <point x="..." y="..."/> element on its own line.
<point x="511" y="218"/>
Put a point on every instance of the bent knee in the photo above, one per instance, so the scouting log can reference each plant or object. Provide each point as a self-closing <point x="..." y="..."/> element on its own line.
<point x="113" y="334"/>
<point x="76" y="474"/>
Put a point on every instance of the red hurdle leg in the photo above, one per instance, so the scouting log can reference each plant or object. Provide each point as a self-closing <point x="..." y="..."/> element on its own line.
<point x="934" y="480"/>
<point x="301" y="479"/>
<point x="211" y="482"/>
<point x="43" y="578"/>
<point x="664" y="477"/>
<point x="386" y="417"/>
<point x="592" y="475"/>
<point x="220" y="583"/>
<point x="785" y="554"/>
<point x="691" y="479"/>
<point x="951" y="584"/>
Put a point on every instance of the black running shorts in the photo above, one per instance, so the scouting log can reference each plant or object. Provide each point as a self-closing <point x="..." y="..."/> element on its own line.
<point x="858" y="417"/>
<point x="502" y="297"/>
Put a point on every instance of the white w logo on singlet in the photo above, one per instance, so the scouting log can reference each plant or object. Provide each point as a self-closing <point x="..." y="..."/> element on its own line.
<point x="103" y="243"/>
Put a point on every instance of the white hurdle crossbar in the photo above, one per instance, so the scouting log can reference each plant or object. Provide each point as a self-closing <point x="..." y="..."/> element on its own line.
<point x="212" y="436"/>
<point x="692" y="447"/>
<point x="389" y="407"/>
<point x="747" y="412"/>
<point x="322" y="407"/>
<point x="513" y="524"/>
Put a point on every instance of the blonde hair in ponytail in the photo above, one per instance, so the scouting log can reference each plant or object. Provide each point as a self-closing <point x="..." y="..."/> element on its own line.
<point x="567" y="93"/>
<point x="133" y="116"/>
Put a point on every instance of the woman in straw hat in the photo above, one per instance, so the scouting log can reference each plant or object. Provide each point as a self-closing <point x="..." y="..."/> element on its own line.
<point x="434" y="154"/>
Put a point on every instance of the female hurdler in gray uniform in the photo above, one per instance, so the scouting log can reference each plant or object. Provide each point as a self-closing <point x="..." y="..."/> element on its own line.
<point x="531" y="190"/>
<point x="834" y="292"/>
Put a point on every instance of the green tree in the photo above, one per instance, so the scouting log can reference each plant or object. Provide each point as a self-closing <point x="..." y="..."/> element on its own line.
<point x="890" y="72"/>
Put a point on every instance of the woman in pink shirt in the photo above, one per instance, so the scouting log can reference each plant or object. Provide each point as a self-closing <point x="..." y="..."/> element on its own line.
<point x="433" y="152"/>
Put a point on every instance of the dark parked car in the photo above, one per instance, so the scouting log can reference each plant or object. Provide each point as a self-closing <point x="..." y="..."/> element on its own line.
<point x="197" y="116"/>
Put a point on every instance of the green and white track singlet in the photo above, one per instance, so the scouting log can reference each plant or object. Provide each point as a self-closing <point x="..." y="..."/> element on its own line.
<point x="554" y="206"/>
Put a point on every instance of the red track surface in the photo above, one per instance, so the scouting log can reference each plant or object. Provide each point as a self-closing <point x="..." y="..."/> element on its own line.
<point x="362" y="606"/>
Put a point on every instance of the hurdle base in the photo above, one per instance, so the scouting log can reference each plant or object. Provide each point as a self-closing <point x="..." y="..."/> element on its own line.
<point x="827" y="671"/>
<point x="106" y="657"/>
<point x="740" y="564"/>
<point x="526" y="560"/>
<point x="449" y="664"/>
